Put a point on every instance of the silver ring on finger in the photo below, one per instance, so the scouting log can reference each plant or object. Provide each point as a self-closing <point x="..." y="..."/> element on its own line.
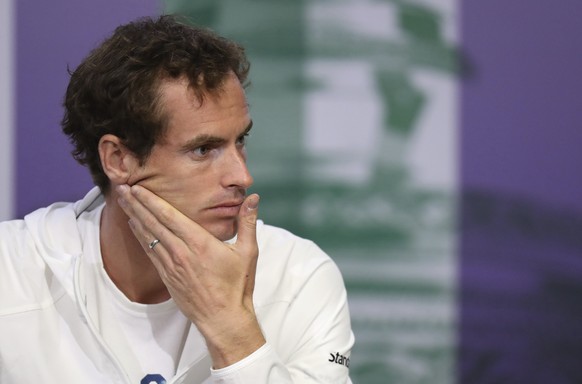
<point x="153" y="243"/>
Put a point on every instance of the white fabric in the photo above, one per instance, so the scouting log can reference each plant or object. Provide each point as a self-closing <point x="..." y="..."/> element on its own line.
<point x="147" y="339"/>
<point x="52" y="327"/>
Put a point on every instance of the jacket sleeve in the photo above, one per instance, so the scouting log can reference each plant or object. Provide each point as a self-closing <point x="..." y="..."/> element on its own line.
<point x="314" y="337"/>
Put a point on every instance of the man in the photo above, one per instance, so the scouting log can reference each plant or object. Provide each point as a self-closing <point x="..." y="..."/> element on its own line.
<point x="162" y="273"/>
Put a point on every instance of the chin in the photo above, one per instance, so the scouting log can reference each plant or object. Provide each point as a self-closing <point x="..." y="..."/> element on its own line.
<point x="223" y="231"/>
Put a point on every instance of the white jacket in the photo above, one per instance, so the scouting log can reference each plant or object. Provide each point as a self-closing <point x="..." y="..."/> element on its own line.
<point x="47" y="322"/>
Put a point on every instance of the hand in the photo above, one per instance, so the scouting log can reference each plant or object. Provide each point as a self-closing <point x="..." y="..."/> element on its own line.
<point x="211" y="282"/>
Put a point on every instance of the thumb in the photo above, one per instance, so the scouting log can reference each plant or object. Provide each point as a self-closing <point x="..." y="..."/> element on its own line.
<point x="247" y="224"/>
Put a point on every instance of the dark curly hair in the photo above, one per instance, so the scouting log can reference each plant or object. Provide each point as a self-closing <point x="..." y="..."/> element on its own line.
<point x="115" y="90"/>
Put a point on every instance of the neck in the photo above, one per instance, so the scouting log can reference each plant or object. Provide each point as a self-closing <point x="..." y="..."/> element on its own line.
<point x="125" y="261"/>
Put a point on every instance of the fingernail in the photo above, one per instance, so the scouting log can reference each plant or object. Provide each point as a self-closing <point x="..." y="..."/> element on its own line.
<point x="123" y="188"/>
<point x="253" y="202"/>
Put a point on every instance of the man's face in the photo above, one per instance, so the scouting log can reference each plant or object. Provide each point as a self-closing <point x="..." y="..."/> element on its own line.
<point x="199" y="166"/>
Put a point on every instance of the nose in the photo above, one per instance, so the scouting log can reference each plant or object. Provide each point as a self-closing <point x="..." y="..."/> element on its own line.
<point x="237" y="173"/>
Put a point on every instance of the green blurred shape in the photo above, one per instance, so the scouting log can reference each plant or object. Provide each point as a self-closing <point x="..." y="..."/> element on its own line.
<point x="404" y="101"/>
<point x="419" y="22"/>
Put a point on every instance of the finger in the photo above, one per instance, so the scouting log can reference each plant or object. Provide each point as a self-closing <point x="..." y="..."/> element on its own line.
<point x="143" y="222"/>
<point x="246" y="243"/>
<point x="247" y="225"/>
<point x="146" y="227"/>
<point x="151" y="245"/>
<point x="168" y="216"/>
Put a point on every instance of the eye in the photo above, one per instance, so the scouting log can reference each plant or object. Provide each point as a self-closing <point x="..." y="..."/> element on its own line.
<point x="242" y="140"/>
<point x="201" y="150"/>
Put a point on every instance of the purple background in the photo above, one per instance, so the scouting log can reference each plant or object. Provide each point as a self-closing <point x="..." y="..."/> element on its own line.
<point x="521" y="217"/>
<point x="522" y="107"/>
<point x="52" y="35"/>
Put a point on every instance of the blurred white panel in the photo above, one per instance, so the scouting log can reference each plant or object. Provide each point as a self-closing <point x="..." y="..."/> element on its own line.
<point x="342" y="121"/>
<point x="7" y="27"/>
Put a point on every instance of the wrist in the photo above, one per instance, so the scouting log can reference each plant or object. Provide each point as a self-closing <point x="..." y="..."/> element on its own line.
<point x="232" y="338"/>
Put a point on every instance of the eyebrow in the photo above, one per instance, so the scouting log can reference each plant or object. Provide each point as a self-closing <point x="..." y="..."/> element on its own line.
<point x="211" y="140"/>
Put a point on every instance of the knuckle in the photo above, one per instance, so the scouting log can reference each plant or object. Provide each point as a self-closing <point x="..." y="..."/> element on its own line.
<point x="150" y="222"/>
<point x="181" y="258"/>
<point x="166" y="215"/>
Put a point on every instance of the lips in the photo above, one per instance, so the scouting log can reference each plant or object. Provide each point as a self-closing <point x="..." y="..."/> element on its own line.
<point x="226" y="204"/>
<point x="227" y="208"/>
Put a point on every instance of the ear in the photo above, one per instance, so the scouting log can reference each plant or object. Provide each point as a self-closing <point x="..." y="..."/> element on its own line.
<point x="117" y="161"/>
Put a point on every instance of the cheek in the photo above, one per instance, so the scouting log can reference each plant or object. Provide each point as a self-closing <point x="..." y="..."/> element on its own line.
<point x="183" y="190"/>
<point x="181" y="183"/>
<point x="169" y="178"/>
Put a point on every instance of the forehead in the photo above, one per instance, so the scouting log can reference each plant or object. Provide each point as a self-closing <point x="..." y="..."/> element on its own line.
<point x="185" y="114"/>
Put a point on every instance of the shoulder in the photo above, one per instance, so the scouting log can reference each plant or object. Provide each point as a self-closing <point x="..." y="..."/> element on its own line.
<point x="301" y="301"/>
<point x="36" y="255"/>
<point x="287" y="263"/>
<point x="22" y="270"/>
<point x="15" y="241"/>
<point x="277" y="245"/>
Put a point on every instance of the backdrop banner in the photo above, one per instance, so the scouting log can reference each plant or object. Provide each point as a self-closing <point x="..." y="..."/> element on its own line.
<point x="432" y="148"/>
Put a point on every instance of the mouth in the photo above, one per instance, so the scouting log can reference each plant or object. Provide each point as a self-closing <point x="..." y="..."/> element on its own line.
<point x="227" y="208"/>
